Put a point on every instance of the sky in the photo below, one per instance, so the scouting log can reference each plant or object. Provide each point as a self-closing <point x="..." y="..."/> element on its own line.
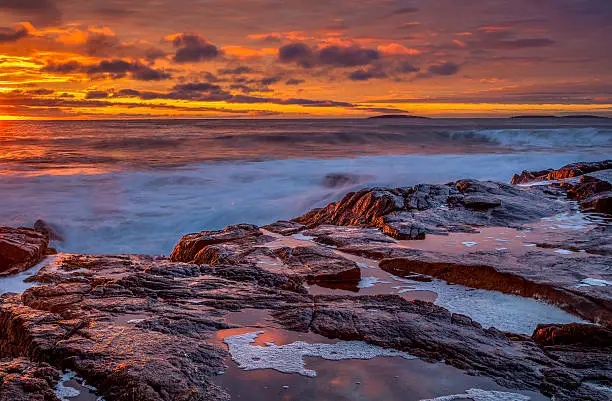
<point x="76" y="59"/>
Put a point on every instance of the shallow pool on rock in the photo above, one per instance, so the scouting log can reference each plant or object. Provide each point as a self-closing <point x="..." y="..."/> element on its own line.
<point x="380" y="378"/>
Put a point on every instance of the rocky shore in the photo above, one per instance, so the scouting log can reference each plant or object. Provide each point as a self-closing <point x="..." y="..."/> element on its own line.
<point x="141" y="327"/>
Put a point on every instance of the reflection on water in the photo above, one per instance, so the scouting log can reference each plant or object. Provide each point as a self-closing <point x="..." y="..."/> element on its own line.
<point x="382" y="378"/>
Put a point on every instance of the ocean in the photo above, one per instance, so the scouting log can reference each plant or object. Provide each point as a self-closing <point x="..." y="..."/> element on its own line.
<point x="138" y="186"/>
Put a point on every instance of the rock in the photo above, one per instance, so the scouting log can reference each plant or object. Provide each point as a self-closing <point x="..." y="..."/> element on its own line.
<point x="572" y="334"/>
<point x="284" y="227"/>
<point x="20" y="249"/>
<point x="431" y="332"/>
<point x="587" y="187"/>
<point x="23" y="380"/>
<point x="52" y="232"/>
<point x="356" y="208"/>
<point x="319" y="265"/>
<point x="568" y="171"/>
<point x="139" y="325"/>
<point x="530" y="176"/>
<point x="600" y="203"/>
<point x="536" y="274"/>
<point x="411" y="213"/>
<point x="480" y="202"/>
<point x="189" y="246"/>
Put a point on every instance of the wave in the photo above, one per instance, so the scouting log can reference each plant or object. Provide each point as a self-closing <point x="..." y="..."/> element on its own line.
<point x="524" y="139"/>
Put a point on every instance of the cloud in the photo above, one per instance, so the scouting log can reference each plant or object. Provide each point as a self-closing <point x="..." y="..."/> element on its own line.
<point x="294" y="81"/>
<point x="205" y="92"/>
<point x="40" y="12"/>
<point x="444" y="69"/>
<point x="396" y="49"/>
<point x="114" y="69"/>
<point x="63" y="68"/>
<point x="243" y="69"/>
<point x="501" y="37"/>
<point x="366" y="74"/>
<point x="191" y="48"/>
<point x="12" y="35"/>
<point x="96" y="95"/>
<point x="338" y="56"/>
<point x="299" y="53"/>
<point x="405" y="10"/>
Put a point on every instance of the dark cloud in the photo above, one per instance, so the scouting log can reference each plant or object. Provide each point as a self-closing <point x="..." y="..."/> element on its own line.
<point x="294" y="81"/>
<point x="40" y="12"/>
<point x="96" y="95"/>
<point x="205" y="91"/>
<point x="114" y="69"/>
<point x="270" y="80"/>
<point x="524" y="43"/>
<point x="243" y="69"/>
<point x="405" y="10"/>
<point x="12" y="35"/>
<point x="193" y="48"/>
<point x="63" y="68"/>
<point x="366" y="74"/>
<point x="504" y="38"/>
<point x="120" y="68"/>
<point x="40" y="92"/>
<point x="299" y="53"/>
<point x="445" y="69"/>
<point x="313" y="103"/>
<point x="347" y="56"/>
<point x="305" y="56"/>
<point x="405" y="68"/>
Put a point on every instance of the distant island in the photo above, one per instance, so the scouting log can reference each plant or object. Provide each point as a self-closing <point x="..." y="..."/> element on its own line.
<point x="577" y="116"/>
<point x="397" y="116"/>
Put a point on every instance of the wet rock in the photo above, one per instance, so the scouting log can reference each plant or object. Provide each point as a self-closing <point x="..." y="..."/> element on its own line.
<point x="411" y="213"/>
<point x="572" y="334"/>
<point x="535" y="274"/>
<point x="131" y="325"/>
<point x="341" y="236"/>
<point x="480" y="202"/>
<point x="431" y="332"/>
<point x="139" y="325"/>
<point x="284" y="227"/>
<point x="597" y="241"/>
<point x="189" y="246"/>
<point x="587" y="349"/>
<point x="357" y="208"/>
<point x="319" y="265"/>
<point x="567" y="171"/>
<point x="600" y="203"/>
<point x="587" y="187"/>
<point x="52" y="232"/>
<point x="23" y="380"/>
<point x="20" y="249"/>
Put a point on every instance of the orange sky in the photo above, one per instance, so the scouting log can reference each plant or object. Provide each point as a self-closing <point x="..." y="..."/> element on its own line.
<point x="297" y="58"/>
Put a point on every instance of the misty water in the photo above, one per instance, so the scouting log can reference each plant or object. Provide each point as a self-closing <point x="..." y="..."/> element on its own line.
<point x="137" y="186"/>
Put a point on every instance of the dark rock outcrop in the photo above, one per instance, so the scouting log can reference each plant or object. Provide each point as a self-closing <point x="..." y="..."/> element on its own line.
<point x="52" y="232"/>
<point x="140" y="325"/>
<point x="568" y="171"/>
<point x="23" y="380"/>
<point x="411" y="213"/>
<point x="20" y="249"/>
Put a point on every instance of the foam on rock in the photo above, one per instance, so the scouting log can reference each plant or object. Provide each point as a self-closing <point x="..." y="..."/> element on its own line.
<point x="290" y="358"/>
<point x="476" y="394"/>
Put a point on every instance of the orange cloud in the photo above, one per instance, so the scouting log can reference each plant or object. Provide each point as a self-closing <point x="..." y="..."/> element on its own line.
<point x="398" y="50"/>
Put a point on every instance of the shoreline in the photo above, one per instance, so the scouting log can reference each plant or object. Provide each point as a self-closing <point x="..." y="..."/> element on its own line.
<point x="158" y="314"/>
